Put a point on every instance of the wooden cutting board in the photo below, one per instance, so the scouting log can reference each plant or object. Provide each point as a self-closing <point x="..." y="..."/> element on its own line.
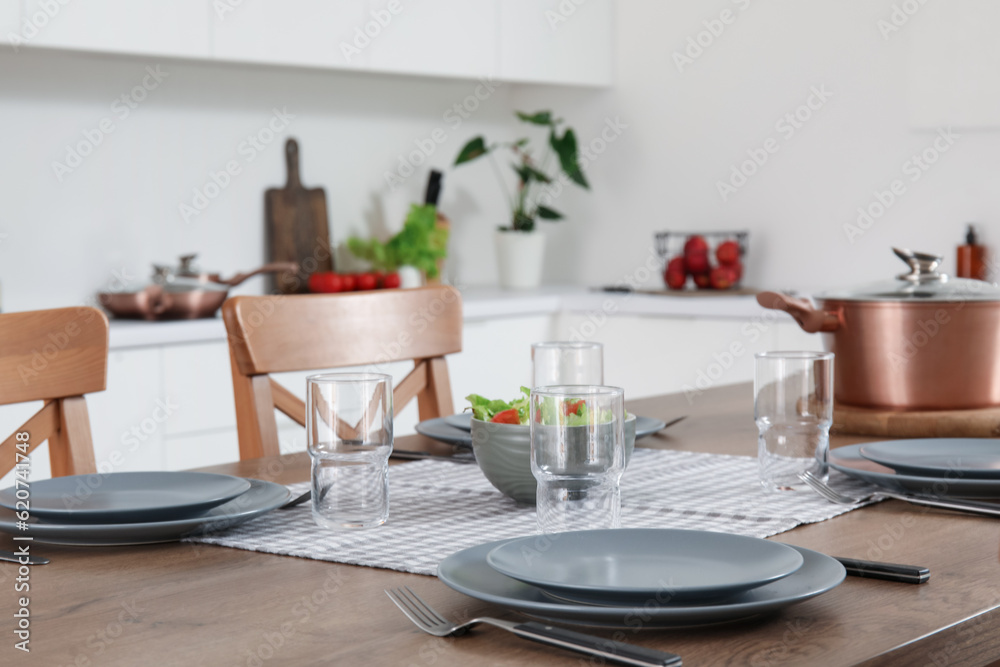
<point x="981" y="423"/>
<point x="297" y="226"/>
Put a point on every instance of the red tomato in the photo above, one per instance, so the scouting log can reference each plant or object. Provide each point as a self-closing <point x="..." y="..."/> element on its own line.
<point x="677" y="264"/>
<point x="349" y="282"/>
<point x="728" y="252"/>
<point x="391" y="281"/>
<point x="366" y="281"/>
<point x="506" y="417"/>
<point x="702" y="280"/>
<point x="572" y="407"/>
<point x="721" y="278"/>
<point x="695" y="244"/>
<point x="675" y="279"/>
<point x="325" y="281"/>
<point x="379" y="277"/>
<point x="697" y="262"/>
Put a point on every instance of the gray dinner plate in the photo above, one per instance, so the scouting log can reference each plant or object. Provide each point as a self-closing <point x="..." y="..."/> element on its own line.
<point x="634" y="565"/>
<point x="468" y="572"/>
<point x="125" y="497"/>
<point x="261" y="498"/>
<point x="849" y="461"/>
<point x="938" y="457"/>
<point x="457" y="429"/>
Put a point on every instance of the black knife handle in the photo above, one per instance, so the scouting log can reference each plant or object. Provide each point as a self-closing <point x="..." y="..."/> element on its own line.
<point x="616" y="652"/>
<point x="870" y="569"/>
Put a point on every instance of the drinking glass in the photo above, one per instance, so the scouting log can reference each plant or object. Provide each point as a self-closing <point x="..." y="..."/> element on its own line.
<point x="349" y="435"/>
<point x="564" y="362"/>
<point x="793" y="408"/>
<point x="577" y="456"/>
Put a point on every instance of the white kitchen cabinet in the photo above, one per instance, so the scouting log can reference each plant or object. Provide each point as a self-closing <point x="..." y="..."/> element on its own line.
<point x="177" y="28"/>
<point x="310" y="33"/>
<point x="10" y="22"/>
<point x="439" y="37"/>
<point x="557" y="41"/>
<point x="197" y="378"/>
<point x="182" y="452"/>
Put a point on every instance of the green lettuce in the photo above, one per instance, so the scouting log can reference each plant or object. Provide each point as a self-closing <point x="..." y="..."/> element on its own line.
<point x="485" y="409"/>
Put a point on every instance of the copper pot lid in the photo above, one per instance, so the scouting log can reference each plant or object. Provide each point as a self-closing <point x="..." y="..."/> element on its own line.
<point x="922" y="283"/>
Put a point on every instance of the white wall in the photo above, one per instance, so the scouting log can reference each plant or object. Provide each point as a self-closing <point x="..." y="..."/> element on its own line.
<point x="684" y="131"/>
<point x="687" y="128"/>
<point x="62" y="241"/>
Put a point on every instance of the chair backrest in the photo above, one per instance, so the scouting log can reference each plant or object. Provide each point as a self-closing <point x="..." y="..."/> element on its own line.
<point x="276" y="334"/>
<point x="55" y="356"/>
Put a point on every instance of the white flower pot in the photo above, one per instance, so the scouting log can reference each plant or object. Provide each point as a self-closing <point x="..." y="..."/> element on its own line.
<point x="519" y="258"/>
<point x="410" y="276"/>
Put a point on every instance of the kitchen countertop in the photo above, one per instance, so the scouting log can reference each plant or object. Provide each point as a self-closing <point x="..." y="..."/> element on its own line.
<point x="479" y="303"/>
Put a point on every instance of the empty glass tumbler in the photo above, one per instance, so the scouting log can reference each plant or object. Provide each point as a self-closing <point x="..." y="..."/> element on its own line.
<point x="577" y="456"/>
<point x="566" y="362"/>
<point x="793" y="408"/>
<point x="349" y="435"/>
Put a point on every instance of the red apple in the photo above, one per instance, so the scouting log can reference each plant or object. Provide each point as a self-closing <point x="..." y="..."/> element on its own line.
<point x="675" y="279"/>
<point x="702" y="280"/>
<point x="696" y="262"/>
<point x="676" y="264"/>
<point x="695" y="244"/>
<point x="735" y="272"/>
<point x="720" y="278"/>
<point x="728" y="252"/>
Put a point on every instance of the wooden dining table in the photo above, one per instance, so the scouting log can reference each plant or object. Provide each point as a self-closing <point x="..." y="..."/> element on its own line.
<point x="195" y="604"/>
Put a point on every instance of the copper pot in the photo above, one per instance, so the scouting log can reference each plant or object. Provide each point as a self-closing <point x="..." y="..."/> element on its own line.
<point x="181" y="294"/>
<point x="921" y="342"/>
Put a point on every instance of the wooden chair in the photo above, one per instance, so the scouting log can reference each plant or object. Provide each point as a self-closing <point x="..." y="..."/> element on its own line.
<point x="277" y="334"/>
<point x="55" y="356"/>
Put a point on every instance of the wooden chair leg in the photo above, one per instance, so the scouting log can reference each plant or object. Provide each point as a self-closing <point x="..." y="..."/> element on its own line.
<point x="435" y="399"/>
<point x="71" y="448"/>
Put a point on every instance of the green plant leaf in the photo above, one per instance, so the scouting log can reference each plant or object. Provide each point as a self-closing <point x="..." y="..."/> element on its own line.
<point x="527" y="173"/>
<point x="566" y="148"/>
<point x="537" y="118"/>
<point x="547" y="213"/>
<point x="475" y="148"/>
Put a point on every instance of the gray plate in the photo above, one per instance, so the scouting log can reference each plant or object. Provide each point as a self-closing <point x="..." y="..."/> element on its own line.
<point x="849" y="461"/>
<point x="634" y="565"/>
<point x="938" y="457"/>
<point x="126" y="497"/>
<point x="457" y="429"/>
<point x="261" y="498"/>
<point x="468" y="572"/>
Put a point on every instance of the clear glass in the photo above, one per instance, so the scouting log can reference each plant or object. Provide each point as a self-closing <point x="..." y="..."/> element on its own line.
<point x="793" y="408"/>
<point x="349" y="434"/>
<point x="577" y="456"/>
<point x="563" y="363"/>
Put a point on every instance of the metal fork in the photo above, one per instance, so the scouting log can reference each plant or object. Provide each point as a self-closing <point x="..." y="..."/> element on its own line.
<point x="820" y="487"/>
<point x="430" y="621"/>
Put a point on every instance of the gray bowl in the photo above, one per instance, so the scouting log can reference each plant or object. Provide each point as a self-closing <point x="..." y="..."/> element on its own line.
<point x="503" y="452"/>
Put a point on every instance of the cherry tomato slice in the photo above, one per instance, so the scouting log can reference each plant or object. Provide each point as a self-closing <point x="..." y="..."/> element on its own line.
<point x="506" y="417"/>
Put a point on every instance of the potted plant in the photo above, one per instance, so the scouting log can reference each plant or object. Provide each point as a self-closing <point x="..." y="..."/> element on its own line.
<point x="520" y="247"/>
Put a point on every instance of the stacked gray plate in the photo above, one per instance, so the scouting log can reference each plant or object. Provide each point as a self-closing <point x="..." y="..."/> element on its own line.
<point x="640" y="578"/>
<point x="134" y="507"/>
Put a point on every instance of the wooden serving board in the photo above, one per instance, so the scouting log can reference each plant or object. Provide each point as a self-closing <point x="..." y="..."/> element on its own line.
<point x="297" y="227"/>
<point x="981" y="423"/>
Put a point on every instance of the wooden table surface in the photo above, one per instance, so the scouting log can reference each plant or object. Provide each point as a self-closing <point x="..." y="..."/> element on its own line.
<point x="188" y="604"/>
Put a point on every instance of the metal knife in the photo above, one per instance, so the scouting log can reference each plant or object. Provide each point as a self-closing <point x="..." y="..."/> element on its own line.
<point x="18" y="558"/>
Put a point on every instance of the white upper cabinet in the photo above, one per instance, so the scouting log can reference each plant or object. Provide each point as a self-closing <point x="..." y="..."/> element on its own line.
<point x="175" y="28"/>
<point x="557" y="41"/>
<point x="10" y="23"/>
<point x="309" y="33"/>
<point x="437" y="37"/>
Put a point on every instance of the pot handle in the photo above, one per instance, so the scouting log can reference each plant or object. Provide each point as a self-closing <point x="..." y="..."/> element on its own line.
<point x="159" y="301"/>
<point x="273" y="267"/>
<point x="809" y="318"/>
